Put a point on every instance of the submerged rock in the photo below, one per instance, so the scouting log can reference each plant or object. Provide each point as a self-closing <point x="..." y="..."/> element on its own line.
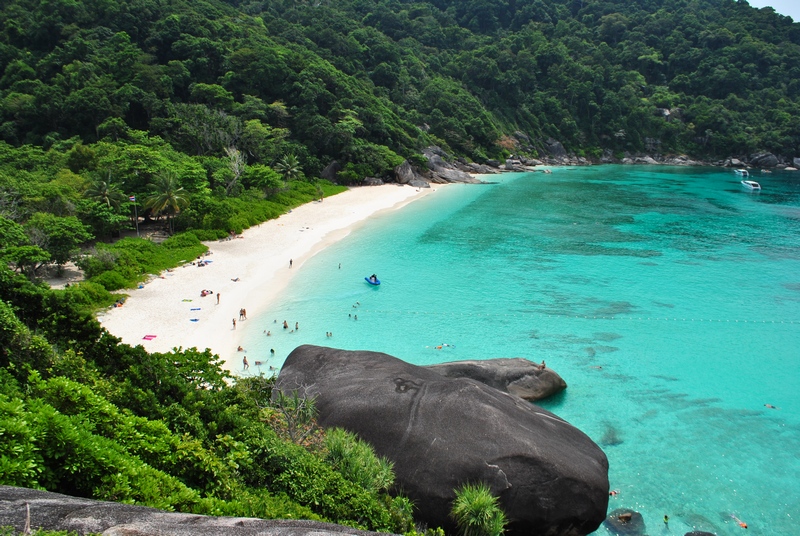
<point x="625" y="522"/>
<point x="442" y="433"/>
<point x="517" y="376"/>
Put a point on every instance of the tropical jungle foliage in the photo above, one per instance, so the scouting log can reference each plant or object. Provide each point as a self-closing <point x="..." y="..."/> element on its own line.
<point x="83" y="414"/>
<point x="205" y="117"/>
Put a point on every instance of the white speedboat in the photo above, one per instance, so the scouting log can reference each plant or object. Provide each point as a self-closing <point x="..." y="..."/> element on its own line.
<point x="742" y="172"/>
<point x="751" y="185"/>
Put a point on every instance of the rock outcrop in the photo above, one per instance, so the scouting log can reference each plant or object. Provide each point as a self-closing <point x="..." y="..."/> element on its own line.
<point x="53" y="511"/>
<point x="441" y="170"/>
<point x="517" y="376"/>
<point x="442" y="433"/>
<point x="763" y="160"/>
<point x="555" y="148"/>
<point x="405" y="174"/>
<point x="330" y="171"/>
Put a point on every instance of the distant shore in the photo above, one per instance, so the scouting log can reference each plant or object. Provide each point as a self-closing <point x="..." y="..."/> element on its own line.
<point x="246" y="272"/>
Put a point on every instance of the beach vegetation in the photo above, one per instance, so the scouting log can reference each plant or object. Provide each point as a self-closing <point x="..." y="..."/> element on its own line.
<point x="477" y="512"/>
<point x="356" y="459"/>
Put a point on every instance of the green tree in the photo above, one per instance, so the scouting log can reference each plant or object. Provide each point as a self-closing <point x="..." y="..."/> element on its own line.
<point x="289" y="168"/>
<point x="105" y="192"/>
<point x="168" y="197"/>
<point x="61" y="237"/>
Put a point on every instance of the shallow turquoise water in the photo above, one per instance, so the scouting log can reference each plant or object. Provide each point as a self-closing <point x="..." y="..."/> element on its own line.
<point x="667" y="298"/>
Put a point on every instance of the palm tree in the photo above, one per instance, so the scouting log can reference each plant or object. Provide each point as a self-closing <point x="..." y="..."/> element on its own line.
<point x="168" y="197"/>
<point x="105" y="192"/>
<point x="289" y="167"/>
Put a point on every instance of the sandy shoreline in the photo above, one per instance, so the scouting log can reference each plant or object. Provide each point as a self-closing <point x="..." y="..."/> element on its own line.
<point x="171" y="308"/>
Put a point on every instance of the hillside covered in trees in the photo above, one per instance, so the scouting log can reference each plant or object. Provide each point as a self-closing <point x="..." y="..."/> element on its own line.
<point x="219" y="115"/>
<point x="370" y="83"/>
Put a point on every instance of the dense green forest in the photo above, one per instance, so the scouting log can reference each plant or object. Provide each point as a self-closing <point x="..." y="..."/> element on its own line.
<point x="370" y="82"/>
<point x="205" y="117"/>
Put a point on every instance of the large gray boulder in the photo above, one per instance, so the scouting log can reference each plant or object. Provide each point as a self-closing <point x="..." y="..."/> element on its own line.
<point x="330" y="171"/>
<point x="555" y="148"/>
<point x="405" y="174"/>
<point x="518" y="376"/>
<point x="442" y="433"/>
<point x="53" y="511"/>
<point x="442" y="171"/>
<point x="764" y="160"/>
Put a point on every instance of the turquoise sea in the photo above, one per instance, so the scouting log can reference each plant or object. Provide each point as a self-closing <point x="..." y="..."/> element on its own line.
<point x="668" y="299"/>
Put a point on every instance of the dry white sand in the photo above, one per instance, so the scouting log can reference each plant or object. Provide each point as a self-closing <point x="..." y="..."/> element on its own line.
<point x="171" y="308"/>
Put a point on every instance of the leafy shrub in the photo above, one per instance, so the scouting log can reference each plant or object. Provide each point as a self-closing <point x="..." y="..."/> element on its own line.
<point x="356" y="460"/>
<point x="112" y="280"/>
<point x="307" y="479"/>
<point x="476" y="511"/>
<point x="208" y="235"/>
<point x="20" y="463"/>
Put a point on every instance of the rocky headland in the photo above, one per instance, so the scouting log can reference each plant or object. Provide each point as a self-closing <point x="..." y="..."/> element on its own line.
<point x="443" y="432"/>
<point x="442" y="167"/>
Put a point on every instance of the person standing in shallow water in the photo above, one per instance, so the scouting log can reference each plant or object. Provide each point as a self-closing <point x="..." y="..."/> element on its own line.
<point x="245" y="364"/>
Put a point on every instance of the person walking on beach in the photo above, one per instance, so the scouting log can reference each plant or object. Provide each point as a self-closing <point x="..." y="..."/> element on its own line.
<point x="217" y="298"/>
<point x="234" y="323"/>
<point x="290" y="263"/>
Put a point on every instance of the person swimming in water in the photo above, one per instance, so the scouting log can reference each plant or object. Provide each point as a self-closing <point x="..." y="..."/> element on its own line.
<point x="739" y="521"/>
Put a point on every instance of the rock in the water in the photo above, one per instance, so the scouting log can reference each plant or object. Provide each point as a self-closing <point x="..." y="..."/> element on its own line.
<point x="518" y="376"/>
<point x="442" y="433"/>
<point x="53" y="511"/>
<point x="625" y="522"/>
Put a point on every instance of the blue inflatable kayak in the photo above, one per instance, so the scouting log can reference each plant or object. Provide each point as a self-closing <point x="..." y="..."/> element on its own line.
<point x="371" y="282"/>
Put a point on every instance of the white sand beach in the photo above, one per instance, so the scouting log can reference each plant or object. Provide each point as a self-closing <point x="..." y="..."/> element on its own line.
<point x="247" y="272"/>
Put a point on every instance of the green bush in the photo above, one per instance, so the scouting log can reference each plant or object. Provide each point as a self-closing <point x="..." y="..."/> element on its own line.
<point x="476" y="511"/>
<point x="307" y="479"/>
<point x="112" y="280"/>
<point x="356" y="460"/>
<point x="20" y="461"/>
<point x="87" y="293"/>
